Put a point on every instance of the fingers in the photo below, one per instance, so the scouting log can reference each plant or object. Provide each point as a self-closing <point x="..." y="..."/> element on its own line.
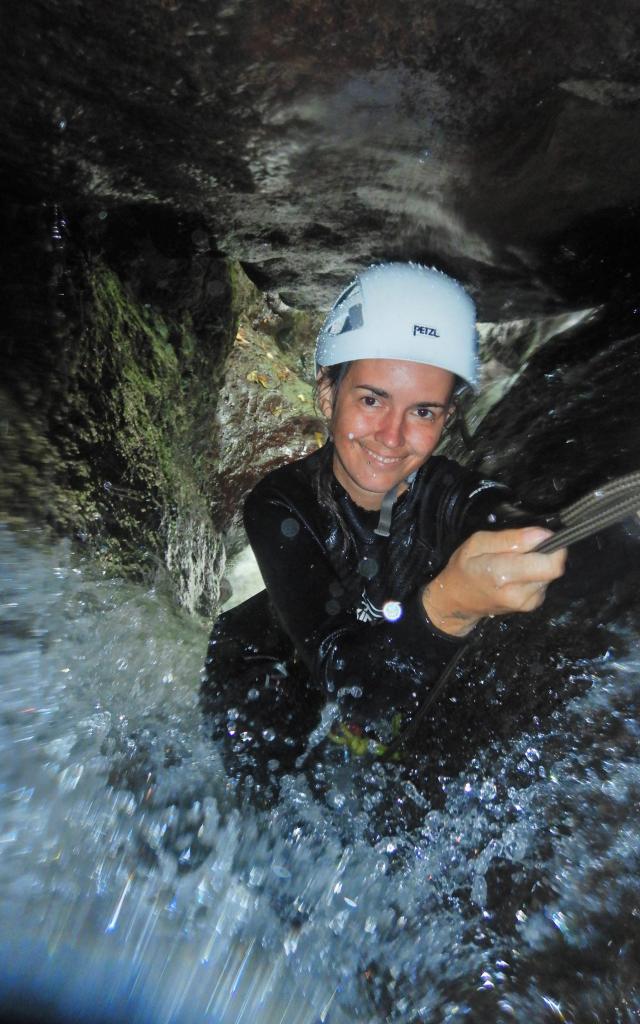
<point x="518" y="578"/>
<point x="526" y="568"/>
<point x="515" y="541"/>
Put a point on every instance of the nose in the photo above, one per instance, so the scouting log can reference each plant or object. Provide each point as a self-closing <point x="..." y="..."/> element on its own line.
<point x="390" y="430"/>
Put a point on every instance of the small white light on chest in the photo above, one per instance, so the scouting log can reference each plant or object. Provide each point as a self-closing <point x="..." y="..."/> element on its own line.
<point x="392" y="610"/>
<point x="368" y="612"/>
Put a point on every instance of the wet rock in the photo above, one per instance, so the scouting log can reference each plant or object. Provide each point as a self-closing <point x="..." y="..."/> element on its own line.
<point x="103" y="402"/>
<point x="266" y="413"/>
<point x="312" y="140"/>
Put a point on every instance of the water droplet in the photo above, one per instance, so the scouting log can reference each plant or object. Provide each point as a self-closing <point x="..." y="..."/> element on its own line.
<point x="290" y="527"/>
<point x="488" y="790"/>
<point x="368" y="567"/>
<point x="200" y="239"/>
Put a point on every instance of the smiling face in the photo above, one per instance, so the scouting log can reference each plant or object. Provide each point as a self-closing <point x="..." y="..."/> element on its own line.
<point x="386" y="419"/>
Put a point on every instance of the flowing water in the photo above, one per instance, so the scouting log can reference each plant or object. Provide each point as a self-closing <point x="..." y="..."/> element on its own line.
<point x="137" y="887"/>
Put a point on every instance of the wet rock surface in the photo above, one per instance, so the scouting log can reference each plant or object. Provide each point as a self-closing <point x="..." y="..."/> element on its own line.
<point x="108" y="394"/>
<point x="266" y="411"/>
<point x="498" y="139"/>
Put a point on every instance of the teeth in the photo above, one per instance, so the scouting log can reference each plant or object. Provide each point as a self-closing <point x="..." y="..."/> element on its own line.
<point x="385" y="459"/>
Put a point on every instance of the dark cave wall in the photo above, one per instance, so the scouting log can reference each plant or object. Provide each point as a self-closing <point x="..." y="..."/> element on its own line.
<point x="125" y="333"/>
<point x="112" y="355"/>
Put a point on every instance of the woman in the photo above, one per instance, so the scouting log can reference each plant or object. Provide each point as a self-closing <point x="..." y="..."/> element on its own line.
<point x="379" y="558"/>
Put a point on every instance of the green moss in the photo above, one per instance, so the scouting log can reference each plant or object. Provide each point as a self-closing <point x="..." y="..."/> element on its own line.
<point x="113" y="438"/>
<point x="246" y="299"/>
<point x="297" y="337"/>
<point x="108" y="447"/>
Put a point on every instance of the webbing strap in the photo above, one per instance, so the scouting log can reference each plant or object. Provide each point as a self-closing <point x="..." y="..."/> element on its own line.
<point x="383" y="529"/>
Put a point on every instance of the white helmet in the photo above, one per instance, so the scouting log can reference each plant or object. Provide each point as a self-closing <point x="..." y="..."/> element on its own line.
<point x="402" y="311"/>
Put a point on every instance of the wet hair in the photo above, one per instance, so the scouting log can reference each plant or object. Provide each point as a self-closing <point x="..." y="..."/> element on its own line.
<point x="331" y="377"/>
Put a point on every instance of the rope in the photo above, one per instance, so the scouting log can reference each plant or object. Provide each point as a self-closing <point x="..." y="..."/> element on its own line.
<point x="597" y="510"/>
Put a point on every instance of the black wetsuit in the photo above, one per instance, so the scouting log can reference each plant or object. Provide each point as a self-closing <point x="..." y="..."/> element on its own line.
<point x="342" y="618"/>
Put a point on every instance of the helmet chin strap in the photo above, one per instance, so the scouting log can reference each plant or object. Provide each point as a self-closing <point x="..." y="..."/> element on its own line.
<point x="383" y="529"/>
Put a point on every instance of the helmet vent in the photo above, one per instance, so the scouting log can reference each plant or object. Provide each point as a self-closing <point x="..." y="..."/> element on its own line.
<point x="346" y="320"/>
<point x="353" y="319"/>
<point x="346" y="314"/>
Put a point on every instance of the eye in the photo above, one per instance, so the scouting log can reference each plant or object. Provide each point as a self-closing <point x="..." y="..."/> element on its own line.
<point x="425" y="412"/>
<point x="370" y="401"/>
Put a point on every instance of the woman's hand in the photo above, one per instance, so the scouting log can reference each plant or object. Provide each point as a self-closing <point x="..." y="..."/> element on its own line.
<point x="491" y="574"/>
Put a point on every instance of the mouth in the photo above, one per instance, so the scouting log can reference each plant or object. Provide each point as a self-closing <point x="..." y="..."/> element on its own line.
<point x="383" y="460"/>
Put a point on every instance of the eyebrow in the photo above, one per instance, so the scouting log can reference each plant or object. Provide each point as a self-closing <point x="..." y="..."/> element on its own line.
<point x="381" y="393"/>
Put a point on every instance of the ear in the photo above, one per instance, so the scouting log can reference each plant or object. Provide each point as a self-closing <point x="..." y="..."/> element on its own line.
<point x="325" y="394"/>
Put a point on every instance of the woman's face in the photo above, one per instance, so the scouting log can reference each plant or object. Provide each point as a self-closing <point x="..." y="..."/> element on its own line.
<point x="386" y="419"/>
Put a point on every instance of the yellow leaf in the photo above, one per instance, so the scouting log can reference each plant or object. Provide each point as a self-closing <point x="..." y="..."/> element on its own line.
<point x="259" y="378"/>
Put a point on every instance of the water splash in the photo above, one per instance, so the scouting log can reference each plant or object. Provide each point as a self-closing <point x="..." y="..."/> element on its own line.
<point x="135" y="878"/>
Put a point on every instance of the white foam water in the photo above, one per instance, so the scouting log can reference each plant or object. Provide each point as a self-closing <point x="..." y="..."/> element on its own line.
<point x="137" y="886"/>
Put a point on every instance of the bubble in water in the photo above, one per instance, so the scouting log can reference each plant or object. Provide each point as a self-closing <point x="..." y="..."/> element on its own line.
<point x="336" y="799"/>
<point x="488" y="790"/>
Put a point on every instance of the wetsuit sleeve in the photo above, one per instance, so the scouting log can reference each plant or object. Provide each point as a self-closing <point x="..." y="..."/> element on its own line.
<point x="372" y="668"/>
<point x="457" y="504"/>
